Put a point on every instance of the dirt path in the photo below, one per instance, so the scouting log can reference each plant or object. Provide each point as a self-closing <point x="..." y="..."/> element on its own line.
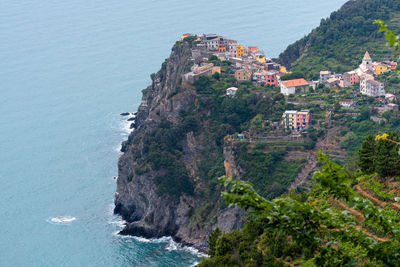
<point x="360" y="218"/>
<point x="358" y="215"/>
<point x="375" y="200"/>
<point x="329" y="145"/>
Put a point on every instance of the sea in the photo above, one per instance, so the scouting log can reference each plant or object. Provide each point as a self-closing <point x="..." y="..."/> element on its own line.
<point x="67" y="71"/>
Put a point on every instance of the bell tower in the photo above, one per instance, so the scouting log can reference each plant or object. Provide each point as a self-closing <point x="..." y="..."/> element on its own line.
<point x="367" y="61"/>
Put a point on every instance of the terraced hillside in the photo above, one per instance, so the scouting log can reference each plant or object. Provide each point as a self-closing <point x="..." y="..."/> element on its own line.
<point x="343" y="221"/>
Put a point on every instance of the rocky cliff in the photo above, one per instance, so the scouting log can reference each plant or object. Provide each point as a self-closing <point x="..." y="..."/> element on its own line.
<point x="152" y="204"/>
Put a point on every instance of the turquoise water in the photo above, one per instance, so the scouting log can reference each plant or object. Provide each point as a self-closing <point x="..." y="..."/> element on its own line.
<point x="67" y="69"/>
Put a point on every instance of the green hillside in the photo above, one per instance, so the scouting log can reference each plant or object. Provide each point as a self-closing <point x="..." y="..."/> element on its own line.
<point x="345" y="220"/>
<point x="341" y="40"/>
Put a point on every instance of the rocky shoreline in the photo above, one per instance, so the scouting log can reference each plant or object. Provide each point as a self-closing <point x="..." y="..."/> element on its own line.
<point x="148" y="214"/>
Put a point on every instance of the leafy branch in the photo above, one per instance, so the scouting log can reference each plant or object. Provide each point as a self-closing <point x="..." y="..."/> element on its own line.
<point x="393" y="39"/>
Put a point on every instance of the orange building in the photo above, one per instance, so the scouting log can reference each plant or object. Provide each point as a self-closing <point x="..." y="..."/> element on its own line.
<point x="240" y="51"/>
<point x="271" y="79"/>
<point x="221" y="48"/>
<point x="242" y="75"/>
<point x="185" y="35"/>
<point x="216" y="70"/>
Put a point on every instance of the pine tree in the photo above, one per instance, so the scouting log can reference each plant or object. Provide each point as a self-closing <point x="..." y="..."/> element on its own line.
<point x="387" y="158"/>
<point x="366" y="155"/>
<point x="212" y="241"/>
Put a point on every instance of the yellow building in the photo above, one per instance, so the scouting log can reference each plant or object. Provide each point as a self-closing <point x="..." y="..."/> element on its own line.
<point x="261" y="58"/>
<point x="379" y="69"/>
<point x="282" y="69"/>
<point x="240" y="51"/>
<point x="289" y="119"/>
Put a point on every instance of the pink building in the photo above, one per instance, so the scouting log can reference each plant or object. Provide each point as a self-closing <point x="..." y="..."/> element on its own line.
<point x="393" y="65"/>
<point x="302" y="119"/>
<point x="252" y="49"/>
<point x="350" y="78"/>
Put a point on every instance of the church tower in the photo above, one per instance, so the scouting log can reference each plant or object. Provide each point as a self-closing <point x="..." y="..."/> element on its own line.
<point x="366" y="62"/>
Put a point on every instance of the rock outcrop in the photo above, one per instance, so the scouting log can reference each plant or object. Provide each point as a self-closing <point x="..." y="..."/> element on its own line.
<point x="147" y="212"/>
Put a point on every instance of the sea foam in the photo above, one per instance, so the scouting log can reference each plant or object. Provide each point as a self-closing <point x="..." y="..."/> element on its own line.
<point x="61" y="220"/>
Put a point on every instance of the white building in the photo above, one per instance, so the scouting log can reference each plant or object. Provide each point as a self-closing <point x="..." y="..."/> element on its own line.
<point x="324" y="75"/>
<point x="289" y="87"/>
<point x="366" y="66"/>
<point x="372" y="88"/>
<point x="347" y="103"/>
<point x="231" y="91"/>
<point x="211" y="41"/>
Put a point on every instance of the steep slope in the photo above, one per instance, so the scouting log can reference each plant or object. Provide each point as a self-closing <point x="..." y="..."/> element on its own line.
<point x="167" y="182"/>
<point x="340" y="41"/>
<point x="158" y="184"/>
<point x="342" y="221"/>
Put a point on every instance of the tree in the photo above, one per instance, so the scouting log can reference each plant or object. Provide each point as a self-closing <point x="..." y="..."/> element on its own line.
<point x="212" y="241"/>
<point x="392" y="39"/>
<point x="216" y="76"/>
<point x="291" y="76"/>
<point x="365" y="114"/>
<point x="387" y="159"/>
<point x="366" y="155"/>
<point x="203" y="84"/>
<point x="337" y="106"/>
<point x="349" y="141"/>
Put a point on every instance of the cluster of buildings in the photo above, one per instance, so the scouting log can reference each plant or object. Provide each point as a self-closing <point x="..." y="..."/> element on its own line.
<point x="251" y="64"/>
<point x="296" y="120"/>
<point x="248" y="64"/>
<point x="364" y="75"/>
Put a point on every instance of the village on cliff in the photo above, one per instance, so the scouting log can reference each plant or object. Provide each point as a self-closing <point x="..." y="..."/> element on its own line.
<point x="251" y="64"/>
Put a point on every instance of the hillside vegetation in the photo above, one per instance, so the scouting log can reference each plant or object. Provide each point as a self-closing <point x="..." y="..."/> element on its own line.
<point x="345" y="220"/>
<point x="350" y="217"/>
<point x="340" y="41"/>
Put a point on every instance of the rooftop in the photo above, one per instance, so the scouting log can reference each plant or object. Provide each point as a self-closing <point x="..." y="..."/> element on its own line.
<point x="304" y="111"/>
<point x="331" y="80"/>
<point x="366" y="56"/>
<point x="295" y="83"/>
<point x="373" y="82"/>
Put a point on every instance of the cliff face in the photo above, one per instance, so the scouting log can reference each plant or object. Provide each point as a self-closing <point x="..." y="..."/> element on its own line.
<point x="138" y="200"/>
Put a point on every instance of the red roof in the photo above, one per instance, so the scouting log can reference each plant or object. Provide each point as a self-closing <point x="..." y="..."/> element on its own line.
<point x="295" y="83"/>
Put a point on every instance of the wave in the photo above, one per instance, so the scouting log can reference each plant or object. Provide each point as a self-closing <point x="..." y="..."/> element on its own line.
<point x="126" y="127"/>
<point x="61" y="220"/>
<point x="125" y="130"/>
<point x="174" y="246"/>
<point x="171" y="244"/>
<point x="118" y="222"/>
